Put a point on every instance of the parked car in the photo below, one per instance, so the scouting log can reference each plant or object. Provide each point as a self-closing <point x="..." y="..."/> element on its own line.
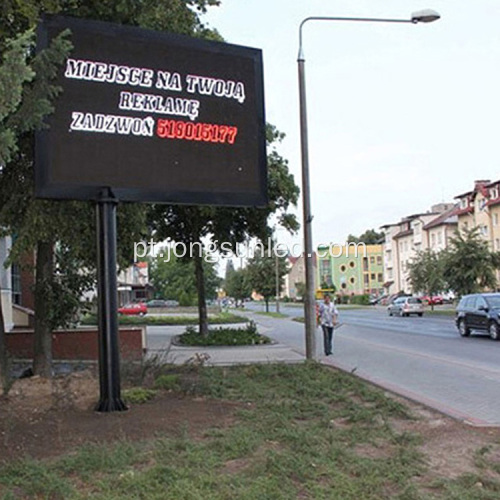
<point x="434" y="300"/>
<point x="481" y="312"/>
<point x="156" y="303"/>
<point x="172" y="303"/>
<point x="139" y="309"/>
<point x="404" y="306"/>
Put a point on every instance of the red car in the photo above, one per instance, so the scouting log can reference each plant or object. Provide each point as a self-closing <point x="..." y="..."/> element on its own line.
<point x="435" y="300"/>
<point x="139" y="309"/>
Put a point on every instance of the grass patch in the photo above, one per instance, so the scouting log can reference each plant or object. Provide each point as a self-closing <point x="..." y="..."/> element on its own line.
<point x="225" y="337"/>
<point x="218" y="319"/>
<point x="272" y="314"/>
<point x="301" y="431"/>
<point x="138" y="395"/>
<point x="168" y="382"/>
<point x="439" y="312"/>
<point x="299" y="319"/>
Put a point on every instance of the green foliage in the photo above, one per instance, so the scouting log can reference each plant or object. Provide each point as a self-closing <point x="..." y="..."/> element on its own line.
<point x="237" y="284"/>
<point x="369" y="237"/>
<point x="300" y="286"/>
<point x="262" y="269"/>
<point x="167" y="382"/>
<point x="174" y="278"/>
<point x="362" y="300"/>
<point x="469" y="265"/>
<point x="224" y="336"/>
<point x="426" y="272"/>
<point x="138" y="395"/>
<point x="218" y="319"/>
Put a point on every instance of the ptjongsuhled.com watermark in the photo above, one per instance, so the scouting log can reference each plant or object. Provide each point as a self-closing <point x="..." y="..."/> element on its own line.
<point x="215" y="250"/>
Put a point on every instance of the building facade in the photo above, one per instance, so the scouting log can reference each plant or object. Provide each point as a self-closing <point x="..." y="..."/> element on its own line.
<point x="351" y="269"/>
<point x="414" y="234"/>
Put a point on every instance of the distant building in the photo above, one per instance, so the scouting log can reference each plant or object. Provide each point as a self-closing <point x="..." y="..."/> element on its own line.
<point x="296" y="274"/>
<point x="351" y="269"/>
<point x="481" y="208"/>
<point x="413" y="234"/>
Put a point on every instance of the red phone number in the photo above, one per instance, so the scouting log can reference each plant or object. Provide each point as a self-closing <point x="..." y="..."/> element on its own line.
<point x="207" y="132"/>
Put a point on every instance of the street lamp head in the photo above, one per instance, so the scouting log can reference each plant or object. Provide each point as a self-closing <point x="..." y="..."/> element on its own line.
<point x="425" y="16"/>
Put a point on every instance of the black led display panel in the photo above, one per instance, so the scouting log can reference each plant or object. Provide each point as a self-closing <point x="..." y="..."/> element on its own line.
<point x="154" y="116"/>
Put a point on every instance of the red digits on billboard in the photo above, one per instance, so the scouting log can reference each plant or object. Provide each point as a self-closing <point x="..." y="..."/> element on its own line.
<point x="206" y="132"/>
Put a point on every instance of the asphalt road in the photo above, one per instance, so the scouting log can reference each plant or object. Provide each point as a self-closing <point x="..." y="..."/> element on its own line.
<point x="424" y="358"/>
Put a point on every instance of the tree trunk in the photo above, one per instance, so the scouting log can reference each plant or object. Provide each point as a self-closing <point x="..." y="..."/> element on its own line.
<point x="3" y="352"/>
<point x="200" y="287"/>
<point x="42" y="362"/>
<point x="266" y="300"/>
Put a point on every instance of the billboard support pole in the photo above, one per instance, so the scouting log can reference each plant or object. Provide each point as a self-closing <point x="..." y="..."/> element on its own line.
<point x="109" y="354"/>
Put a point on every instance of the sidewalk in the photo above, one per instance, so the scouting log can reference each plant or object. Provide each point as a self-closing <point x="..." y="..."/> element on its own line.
<point x="160" y="345"/>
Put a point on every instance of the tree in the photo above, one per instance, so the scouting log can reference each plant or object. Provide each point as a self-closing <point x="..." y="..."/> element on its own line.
<point x="42" y="226"/>
<point x="369" y="237"/>
<point x="262" y="269"/>
<point x="237" y="285"/>
<point x="426" y="273"/>
<point x="174" y="278"/>
<point x="301" y="289"/>
<point x="469" y="265"/>
<point x="191" y="225"/>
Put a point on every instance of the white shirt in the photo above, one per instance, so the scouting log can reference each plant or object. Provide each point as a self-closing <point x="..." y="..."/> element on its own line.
<point x="327" y="312"/>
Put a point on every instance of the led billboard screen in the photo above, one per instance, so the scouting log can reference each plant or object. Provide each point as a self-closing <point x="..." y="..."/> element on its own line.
<point x="154" y="116"/>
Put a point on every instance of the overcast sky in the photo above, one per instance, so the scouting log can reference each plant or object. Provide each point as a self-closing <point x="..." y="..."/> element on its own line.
<point x="401" y="116"/>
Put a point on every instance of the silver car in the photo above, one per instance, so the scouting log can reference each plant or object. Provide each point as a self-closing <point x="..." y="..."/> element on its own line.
<point x="404" y="306"/>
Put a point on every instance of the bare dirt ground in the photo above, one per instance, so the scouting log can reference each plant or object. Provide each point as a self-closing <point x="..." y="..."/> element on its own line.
<point x="43" y="419"/>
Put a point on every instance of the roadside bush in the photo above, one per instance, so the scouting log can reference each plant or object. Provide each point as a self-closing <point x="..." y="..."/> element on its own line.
<point x="225" y="336"/>
<point x="362" y="300"/>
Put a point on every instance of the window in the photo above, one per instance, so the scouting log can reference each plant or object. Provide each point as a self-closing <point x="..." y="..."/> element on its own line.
<point x="16" y="284"/>
<point x="484" y="230"/>
<point x="366" y="279"/>
<point x="342" y="268"/>
<point x="495" y="219"/>
<point x="481" y="303"/>
<point x="380" y="278"/>
<point x="365" y="263"/>
<point x="352" y="280"/>
<point x="433" y="240"/>
<point x="352" y="264"/>
<point x="372" y="276"/>
<point x="463" y="203"/>
<point x="324" y="267"/>
<point x="372" y="260"/>
<point x="440" y="238"/>
<point x="379" y="260"/>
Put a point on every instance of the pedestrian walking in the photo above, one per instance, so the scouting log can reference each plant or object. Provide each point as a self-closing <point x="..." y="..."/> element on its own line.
<point x="327" y="318"/>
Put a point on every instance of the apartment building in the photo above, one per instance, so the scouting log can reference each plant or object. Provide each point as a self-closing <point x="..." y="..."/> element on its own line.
<point x="414" y="233"/>
<point x="352" y="269"/>
<point x="481" y="208"/>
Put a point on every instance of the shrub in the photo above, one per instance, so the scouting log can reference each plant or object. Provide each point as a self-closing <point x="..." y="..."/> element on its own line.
<point x="363" y="300"/>
<point x="225" y="336"/>
<point x="138" y="395"/>
<point x="168" y="382"/>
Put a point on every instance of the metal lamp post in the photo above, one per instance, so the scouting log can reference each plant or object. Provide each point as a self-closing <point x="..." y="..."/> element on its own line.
<point x="424" y="16"/>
